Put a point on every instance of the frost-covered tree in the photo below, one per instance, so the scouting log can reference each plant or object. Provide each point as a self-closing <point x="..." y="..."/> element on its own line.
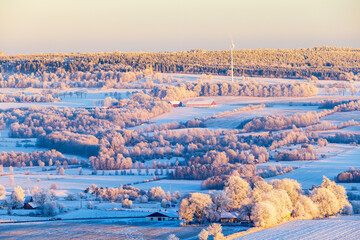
<point x="326" y="201"/>
<point x="264" y="214"/>
<point x="173" y="237"/>
<point x="305" y="208"/>
<point x="292" y="187"/>
<point x="237" y="189"/>
<point x="17" y="197"/>
<point x="192" y="208"/>
<point x="127" y="203"/>
<point x="156" y="193"/>
<point x="215" y="229"/>
<point x="40" y="196"/>
<point x="203" y="235"/>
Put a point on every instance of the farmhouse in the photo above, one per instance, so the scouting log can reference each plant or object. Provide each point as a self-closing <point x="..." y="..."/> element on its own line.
<point x="175" y="103"/>
<point x="229" y="217"/>
<point x="157" y="216"/>
<point x="31" y="205"/>
<point x="201" y="103"/>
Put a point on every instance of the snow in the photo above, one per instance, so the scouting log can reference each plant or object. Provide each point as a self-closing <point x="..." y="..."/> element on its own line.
<point x="183" y="186"/>
<point x="138" y="229"/>
<point x="68" y="183"/>
<point x="345" y="227"/>
<point x="89" y="97"/>
<point x="312" y="172"/>
<point x="232" y="121"/>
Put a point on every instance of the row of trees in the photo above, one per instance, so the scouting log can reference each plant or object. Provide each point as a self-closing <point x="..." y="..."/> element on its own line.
<point x="37" y="158"/>
<point x="129" y="193"/>
<point x="27" y="98"/>
<point x="250" y="89"/>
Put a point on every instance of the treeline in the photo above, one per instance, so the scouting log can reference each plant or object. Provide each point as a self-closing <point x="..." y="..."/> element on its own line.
<point x="62" y="80"/>
<point x="321" y="62"/>
<point x="37" y="158"/>
<point x="27" y="98"/>
<point x="250" y="89"/>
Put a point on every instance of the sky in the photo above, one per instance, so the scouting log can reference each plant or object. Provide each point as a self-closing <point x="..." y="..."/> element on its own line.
<point x="49" y="26"/>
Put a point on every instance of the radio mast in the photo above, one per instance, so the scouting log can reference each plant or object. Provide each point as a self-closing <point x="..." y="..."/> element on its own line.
<point x="232" y="61"/>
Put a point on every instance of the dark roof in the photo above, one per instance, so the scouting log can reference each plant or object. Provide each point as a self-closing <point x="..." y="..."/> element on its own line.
<point x="157" y="214"/>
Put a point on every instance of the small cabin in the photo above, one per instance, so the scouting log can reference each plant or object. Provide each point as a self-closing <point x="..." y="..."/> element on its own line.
<point x="157" y="216"/>
<point x="229" y="217"/>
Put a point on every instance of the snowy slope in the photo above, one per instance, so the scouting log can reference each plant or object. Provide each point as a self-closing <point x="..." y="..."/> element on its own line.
<point x="332" y="228"/>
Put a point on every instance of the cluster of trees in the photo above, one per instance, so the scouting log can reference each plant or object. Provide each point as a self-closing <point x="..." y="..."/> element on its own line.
<point x="321" y="62"/>
<point x="248" y="174"/>
<point x="37" y="158"/>
<point x="353" y="175"/>
<point x="27" y="98"/>
<point x="140" y="108"/>
<point x="193" y="145"/>
<point x="105" y="162"/>
<point x="305" y="153"/>
<point x="87" y="145"/>
<point x="128" y="194"/>
<point x="266" y="204"/>
<point x="44" y="199"/>
<point x="278" y="122"/>
<point x="344" y="137"/>
<point x="251" y="89"/>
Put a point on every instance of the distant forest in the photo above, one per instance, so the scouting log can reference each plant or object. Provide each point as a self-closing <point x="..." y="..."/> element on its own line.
<point x="321" y="62"/>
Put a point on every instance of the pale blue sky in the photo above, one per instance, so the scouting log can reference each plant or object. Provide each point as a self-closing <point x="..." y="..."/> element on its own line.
<point x="40" y="26"/>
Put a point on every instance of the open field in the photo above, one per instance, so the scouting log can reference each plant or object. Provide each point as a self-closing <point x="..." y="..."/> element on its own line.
<point x="103" y="229"/>
<point x="345" y="227"/>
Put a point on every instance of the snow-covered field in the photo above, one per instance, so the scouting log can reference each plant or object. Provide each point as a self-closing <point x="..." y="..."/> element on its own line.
<point x="345" y="227"/>
<point x="136" y="229"/>
<point x="71" y="181"/>
<point x="312" y="172"/>
<point x="183" y="186"/>
<point x="74" y="97"/>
